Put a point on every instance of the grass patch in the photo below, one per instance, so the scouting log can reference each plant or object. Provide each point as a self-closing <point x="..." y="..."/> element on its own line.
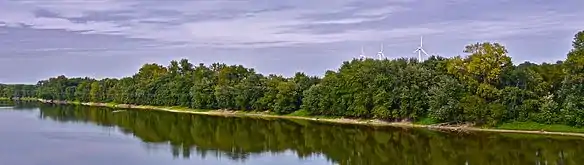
<point x="426" y="121"/>
<point x="532" y="126"/>
<point x="302" y="113"/>
<point x="178" y="108"/>
<point x="174" y="108"/>
<point x="111" y="104"/>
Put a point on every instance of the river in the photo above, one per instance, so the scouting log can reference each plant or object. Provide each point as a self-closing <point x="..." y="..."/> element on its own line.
<point x="39" y="134"/>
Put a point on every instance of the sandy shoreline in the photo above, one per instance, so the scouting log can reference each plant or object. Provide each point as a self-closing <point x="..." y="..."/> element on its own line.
<point x="329" y="120"/>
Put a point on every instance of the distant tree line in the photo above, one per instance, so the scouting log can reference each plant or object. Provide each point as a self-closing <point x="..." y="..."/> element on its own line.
<point x="482" y="87"/>
<point x="17" y="91"/>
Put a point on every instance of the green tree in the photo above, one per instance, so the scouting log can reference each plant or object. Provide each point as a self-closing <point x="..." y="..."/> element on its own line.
<point x="572" y="91"/>
<point x="94" y="92"/>
<point x="444" y="100"/>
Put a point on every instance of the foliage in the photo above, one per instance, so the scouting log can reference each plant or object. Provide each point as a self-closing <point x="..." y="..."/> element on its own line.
<point x="17" y="91"/>
<point x="483" y="87"/>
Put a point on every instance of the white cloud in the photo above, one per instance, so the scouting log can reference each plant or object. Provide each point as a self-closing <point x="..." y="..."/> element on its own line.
<point x="79" y="8"/>
<point x="268" y="28"/>
<point x="264" y="27"/>
<point x="382" y="11"/>
<point x="531" y="24"/>
<point x="88" y="27"/>
<point x="351" y="20"/>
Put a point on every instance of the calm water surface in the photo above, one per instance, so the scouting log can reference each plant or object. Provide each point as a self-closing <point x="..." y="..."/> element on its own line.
<point x="34" y="134"/>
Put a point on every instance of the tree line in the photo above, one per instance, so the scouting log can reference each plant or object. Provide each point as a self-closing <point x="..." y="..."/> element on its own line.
<point x="481" y="87"/>
<point x="17" y="91"/>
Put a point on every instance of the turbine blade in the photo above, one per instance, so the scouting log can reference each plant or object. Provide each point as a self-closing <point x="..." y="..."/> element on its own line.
<point x="423" y="51"/>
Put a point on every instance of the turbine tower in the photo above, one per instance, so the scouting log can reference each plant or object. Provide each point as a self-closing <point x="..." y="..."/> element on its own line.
<point x="362" y="55"/>
<point x="420" y="50"/>
<point x="380" y="53"/>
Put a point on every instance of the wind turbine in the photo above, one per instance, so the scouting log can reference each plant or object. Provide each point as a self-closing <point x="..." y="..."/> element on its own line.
<point x="380" y="53"/>
<point x="362" y="55"/>
<point x="420" y="50"/>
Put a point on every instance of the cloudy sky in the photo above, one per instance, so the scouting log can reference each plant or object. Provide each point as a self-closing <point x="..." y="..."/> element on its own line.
<point x="113" y="38"/>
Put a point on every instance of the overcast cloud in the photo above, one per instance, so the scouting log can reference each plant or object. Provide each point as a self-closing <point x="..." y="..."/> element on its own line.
<point x="113" y="38"/>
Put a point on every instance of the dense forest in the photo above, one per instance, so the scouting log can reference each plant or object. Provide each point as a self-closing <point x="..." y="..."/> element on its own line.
<point x="481" y="87"/>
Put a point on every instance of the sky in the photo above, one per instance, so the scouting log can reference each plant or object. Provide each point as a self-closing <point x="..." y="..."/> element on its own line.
<point x="114" y="38"/>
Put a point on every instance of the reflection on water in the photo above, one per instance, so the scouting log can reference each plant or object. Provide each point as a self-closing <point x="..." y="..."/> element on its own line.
<point x="242" y="138"/>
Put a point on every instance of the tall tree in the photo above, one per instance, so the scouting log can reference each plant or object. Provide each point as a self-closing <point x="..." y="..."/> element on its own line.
<point x="572" y="91"/>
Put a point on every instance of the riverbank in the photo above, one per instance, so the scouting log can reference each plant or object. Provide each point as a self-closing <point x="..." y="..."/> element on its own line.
<point x="507" y="128"/>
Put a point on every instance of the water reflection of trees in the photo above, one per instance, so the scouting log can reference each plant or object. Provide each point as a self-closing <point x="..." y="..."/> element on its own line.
<point x="19" y="105"/>
<point x="238" y="138"/>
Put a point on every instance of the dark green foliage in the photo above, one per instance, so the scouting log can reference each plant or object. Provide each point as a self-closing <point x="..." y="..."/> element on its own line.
<point x="445" y="99"/>
<point x="17" y="90"/>
<point x="482" y="87"/>
<point x="572" y="91"/>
